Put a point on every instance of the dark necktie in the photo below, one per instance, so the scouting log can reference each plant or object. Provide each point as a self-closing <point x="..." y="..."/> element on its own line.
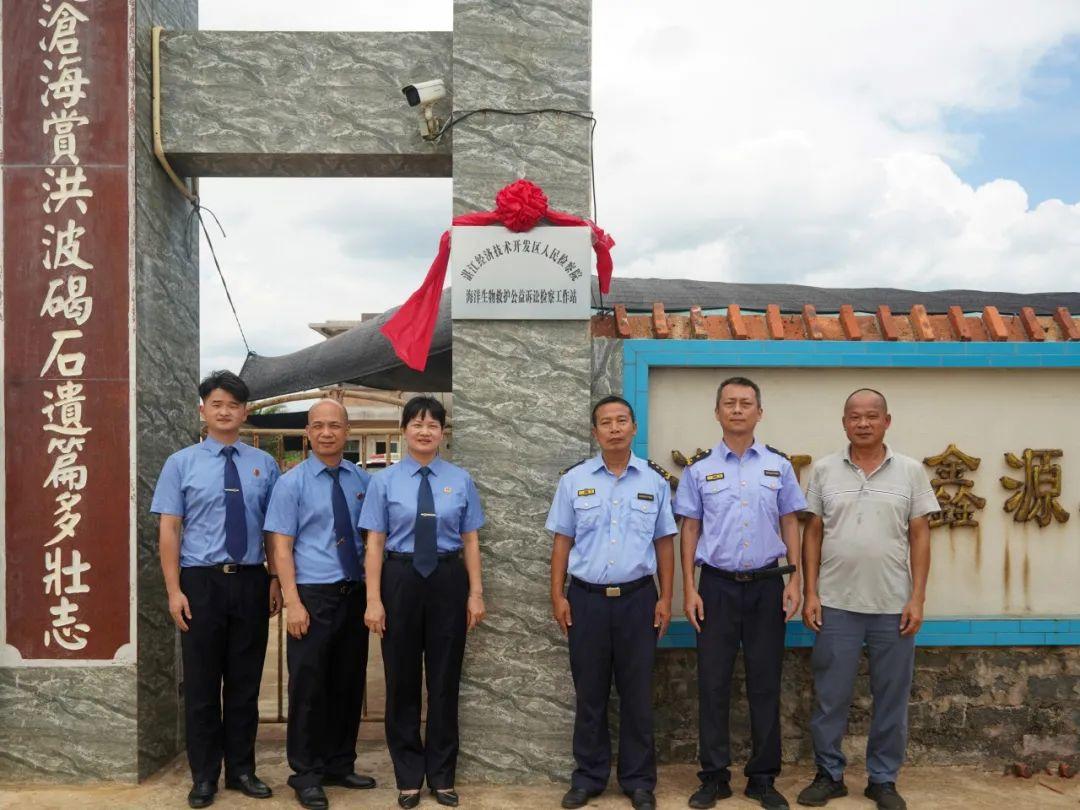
<point x="425" y="554"/>
<point x="344" y="534"/>
<point x="236" y="536"/>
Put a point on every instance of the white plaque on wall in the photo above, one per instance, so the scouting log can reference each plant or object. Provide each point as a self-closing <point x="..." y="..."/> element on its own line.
<point x="542" y="274"/>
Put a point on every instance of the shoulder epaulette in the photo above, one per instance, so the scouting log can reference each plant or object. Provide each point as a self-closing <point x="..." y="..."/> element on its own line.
<point x="671" y="479"/>
<point x="778" y="452"/>
<point x="698" y="456"/>
<point x="575" y="464"/>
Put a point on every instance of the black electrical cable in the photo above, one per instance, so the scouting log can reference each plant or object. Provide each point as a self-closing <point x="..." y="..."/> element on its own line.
<point x="196" y="212"/>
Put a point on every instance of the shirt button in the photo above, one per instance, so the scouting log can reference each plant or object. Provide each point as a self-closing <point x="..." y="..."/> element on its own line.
<point x="614" y="521"/>
<point x="744" y="503"/>
<point x="746" y="545"/>
<point x="744" y="483"/>
<point x="616" y="501"/>
<point x="611" y="562"/>
<point x="613" y="541"/>
<point x="746" y="523"/>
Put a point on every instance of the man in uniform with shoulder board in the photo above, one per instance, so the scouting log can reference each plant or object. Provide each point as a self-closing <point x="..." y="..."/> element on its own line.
<point x="613" y="527"/>
<point x="739" y="504"/>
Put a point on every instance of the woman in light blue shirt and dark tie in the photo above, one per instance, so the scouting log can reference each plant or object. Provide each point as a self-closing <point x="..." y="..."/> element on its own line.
<point x="424" y="592"/>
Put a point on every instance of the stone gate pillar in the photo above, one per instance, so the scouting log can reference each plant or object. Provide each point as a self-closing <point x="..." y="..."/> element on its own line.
<point x="100" y="314"/>
<point x="521" y="388"/>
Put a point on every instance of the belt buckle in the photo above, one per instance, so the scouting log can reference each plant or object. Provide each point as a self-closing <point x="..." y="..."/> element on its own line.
<point x="230" y="568"/>
<point x="743" y="576"/>
<point x="613" y="591"/>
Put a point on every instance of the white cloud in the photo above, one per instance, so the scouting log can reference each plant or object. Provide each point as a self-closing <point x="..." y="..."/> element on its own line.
<point x="807" y="143"/>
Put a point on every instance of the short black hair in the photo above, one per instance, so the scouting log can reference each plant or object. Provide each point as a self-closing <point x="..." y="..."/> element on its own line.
<point x="421" y="405"/>
<point x="227" y="382"/>
<point x="745" y="381"/>
<point x="612" y="400"/>
<point x="874" y="391"/>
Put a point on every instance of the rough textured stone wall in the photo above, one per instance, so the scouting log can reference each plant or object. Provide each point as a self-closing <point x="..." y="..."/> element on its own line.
<point x="282" y="103"/>
<point x="988" y="707"/>
<point x="521" y="388"/>
<point x="167" y="366"/>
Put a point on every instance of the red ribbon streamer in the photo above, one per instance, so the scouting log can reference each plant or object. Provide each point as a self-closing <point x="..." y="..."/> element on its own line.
<point x="519" y="207"/>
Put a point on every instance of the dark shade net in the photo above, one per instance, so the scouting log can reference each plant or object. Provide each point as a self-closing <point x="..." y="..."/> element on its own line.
<point x="639" y="294"/>
<point x="362" y="355"/>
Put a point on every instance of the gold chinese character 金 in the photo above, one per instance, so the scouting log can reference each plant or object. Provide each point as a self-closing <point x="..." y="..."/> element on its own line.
<point x="953" y="490"/>
<point x="1035" y="496"/>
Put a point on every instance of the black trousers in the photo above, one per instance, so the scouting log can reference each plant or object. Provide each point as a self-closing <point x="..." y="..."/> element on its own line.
<point x="425" y="636"/>
<point x="223" y="651"/>
<point x="327" y="672"/>
<point x="613" y="635"/>
<point x="749" y="614"/>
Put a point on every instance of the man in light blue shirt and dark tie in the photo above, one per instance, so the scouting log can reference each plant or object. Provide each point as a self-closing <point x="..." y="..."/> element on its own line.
<point x="318" y="554"/>
<point x="211" y="498"/>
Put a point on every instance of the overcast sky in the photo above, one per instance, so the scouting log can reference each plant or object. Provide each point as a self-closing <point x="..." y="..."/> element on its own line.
<point x="913" y="144"/>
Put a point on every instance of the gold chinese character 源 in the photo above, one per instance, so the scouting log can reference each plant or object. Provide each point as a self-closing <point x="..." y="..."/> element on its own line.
<point x="1035" y="495"/>
<point x="953" y="490"/>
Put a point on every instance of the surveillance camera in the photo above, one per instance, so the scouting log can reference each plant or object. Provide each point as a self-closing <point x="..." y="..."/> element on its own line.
<point x="424" y="92"/>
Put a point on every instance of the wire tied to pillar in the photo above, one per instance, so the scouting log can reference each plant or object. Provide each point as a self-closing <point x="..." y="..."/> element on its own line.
<point x="190" y="194"/>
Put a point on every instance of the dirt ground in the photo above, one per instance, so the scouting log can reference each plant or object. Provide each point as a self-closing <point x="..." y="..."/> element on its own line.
<point x="924" y="788"/>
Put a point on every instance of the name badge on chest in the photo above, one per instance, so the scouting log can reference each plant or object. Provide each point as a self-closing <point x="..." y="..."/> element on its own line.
<point x="645" y="496"/>
<point x="714" y="477"/>
<point x="583" y="492"/>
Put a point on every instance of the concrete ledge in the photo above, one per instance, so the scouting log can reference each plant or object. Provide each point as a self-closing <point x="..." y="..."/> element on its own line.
<point x="305" y="104"/>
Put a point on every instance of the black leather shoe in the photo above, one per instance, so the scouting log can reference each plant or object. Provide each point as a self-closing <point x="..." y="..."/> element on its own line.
<point x="884" y="793"/>
<point x="707" y="794"/>
<point x="578" y="797"/>
<point x="250" y="785"/>
<point x="353" y="781"/>
<point x="768" y="796"/>
<point x="408" y="800"/>
<point x="642" y="799"/>
<point x="447" y="797"/>
<point x="313" y="798"/>
<point x="201" y="794"/>
<point x="821" y="790"/>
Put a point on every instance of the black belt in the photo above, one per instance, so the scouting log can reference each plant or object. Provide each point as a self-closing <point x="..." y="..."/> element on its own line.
<point x="767" y="572"/>
<point x="228" y="568"/>
<point x="408" y="555"/>
<point x="341" y="586"/>
<point x="623" y="589"/>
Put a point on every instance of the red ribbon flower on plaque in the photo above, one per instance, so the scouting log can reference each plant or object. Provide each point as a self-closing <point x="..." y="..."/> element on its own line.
<point x="519" y="206"/>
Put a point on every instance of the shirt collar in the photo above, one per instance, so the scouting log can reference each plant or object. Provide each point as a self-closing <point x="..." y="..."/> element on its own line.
<point x="411" y="465"/>
<point x="317" y="465"/>
<point x="214" y="447"/>
<point x="846" y="455"/>
<point x="726" y="452"/>
<point x="597" y="463"/>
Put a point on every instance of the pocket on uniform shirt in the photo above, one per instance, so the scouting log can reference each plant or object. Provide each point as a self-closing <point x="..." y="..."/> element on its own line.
<point x="770" y="488"/>
<point x="714" y="495"/>
<point x="643" y="516"/>
<point x="586" y="511"/>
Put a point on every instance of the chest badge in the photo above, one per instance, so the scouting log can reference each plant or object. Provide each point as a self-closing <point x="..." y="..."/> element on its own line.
<point x="714" y="477"/>
<point x="583" y="492"/>
<point x="256" y="472"/>
<point x="646" y="496"/>
<point x="447" y="490"/>
<point x="773" y="473"/>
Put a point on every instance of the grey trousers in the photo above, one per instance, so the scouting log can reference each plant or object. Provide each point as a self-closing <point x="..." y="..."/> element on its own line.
<point x="835" y="662"/>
